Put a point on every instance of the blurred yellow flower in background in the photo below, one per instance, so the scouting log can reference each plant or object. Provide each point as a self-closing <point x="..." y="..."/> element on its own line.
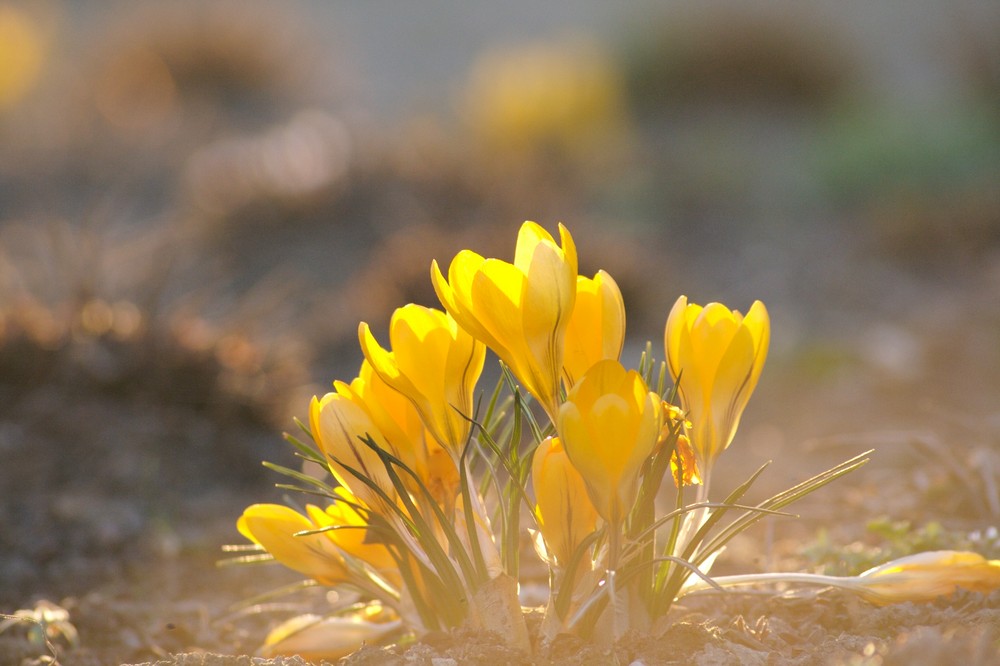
<point x="22" y="52"/>
<point x="564" y="511"/>
<point x="609" y="425"/>
<point x="563" y="98"/>
<point x="715" y="355"/>
<point x="435" y="364"/>
<point x="520" y="310"/>
<point x="596" y="329"/>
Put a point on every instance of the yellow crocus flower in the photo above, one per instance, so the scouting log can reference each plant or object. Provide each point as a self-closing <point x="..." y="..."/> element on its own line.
<point x="520" y="310"/>
<point x="435" y="364"/>
<point x="717" y="355"/>
<point x="22" y="51"/>
<point x="609" y="425"/>
<point x="564" y="512"/>
<point x="398" y="420"/>
<point x="339" y="422"/>
<point x="353" y="539"/>
<point x="596" y="329"/>
<point x="273" y="527"/>
<point x="927" y="576"/>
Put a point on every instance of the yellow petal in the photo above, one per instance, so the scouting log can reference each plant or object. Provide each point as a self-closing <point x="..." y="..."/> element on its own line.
<point x="273" y="526"/>
<point x="353" y="538"/>
<point x="609" y="425"/>
<point x="434" y="364"/>
<point x="519" y="310"/>
<point x="456" y="296"/>
<point x="564" y="512"/>
<point x="339" y="424"/>
<point x="715" y="356"/>
<point x="596" y="329"/>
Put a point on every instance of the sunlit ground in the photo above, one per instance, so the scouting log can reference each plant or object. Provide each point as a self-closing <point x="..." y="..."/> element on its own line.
<point x="200" y="201"/>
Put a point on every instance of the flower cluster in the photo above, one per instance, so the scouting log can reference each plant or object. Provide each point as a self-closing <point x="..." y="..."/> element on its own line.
<point x="426" y="490"/>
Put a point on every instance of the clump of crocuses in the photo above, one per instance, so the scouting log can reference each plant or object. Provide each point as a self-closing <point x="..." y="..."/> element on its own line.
<point x="428" y="486"/>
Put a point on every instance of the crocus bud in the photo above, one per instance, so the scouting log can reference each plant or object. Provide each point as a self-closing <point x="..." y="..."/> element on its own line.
<point x="435" y="364"/>
<point x="609" y="425"/>
<point x="565" y="514"/>
<point x="927" y="576"/>
<point x="715" y="355"/>
<point x="340" y="424"/>
<point x="318" y="638"/>
<point x="518" y="310"/>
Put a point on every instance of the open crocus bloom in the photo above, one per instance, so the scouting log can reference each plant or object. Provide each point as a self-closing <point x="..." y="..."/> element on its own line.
<point x="518" y="310"/>
<point x="927" y="576"/>
<point x="715" y="355"/>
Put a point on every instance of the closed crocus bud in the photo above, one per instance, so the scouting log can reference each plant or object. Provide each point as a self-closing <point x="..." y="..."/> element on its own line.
<point x="565" y="514"/>
<point x="273" y="527"/>
<point x="609" y="425"/>
<point x="318" y="638"/>
<point x="715" y="356"/>
<point x="596" y="330"/>
<point x="927" y="576"/>
<point x="339" y="423"/>
<point x="519" y="310"/>
<point x="435" y="364"/>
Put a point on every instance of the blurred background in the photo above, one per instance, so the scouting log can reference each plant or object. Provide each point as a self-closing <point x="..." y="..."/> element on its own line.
<point x="199" y="201"/>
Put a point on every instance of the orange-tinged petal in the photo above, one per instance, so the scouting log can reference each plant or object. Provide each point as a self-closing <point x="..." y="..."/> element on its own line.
<point x="683" y="465"/>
